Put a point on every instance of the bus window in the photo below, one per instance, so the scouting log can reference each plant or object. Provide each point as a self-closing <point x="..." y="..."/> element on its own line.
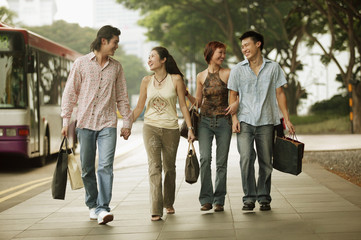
<point x="50" y="69"/>
<point x="12" y="81"/>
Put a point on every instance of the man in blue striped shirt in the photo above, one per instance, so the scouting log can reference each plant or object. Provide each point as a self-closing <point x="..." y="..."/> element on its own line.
<point x="258" y="82"/>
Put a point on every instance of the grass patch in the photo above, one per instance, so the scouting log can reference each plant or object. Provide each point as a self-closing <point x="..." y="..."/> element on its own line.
<point x="318" y="124"/>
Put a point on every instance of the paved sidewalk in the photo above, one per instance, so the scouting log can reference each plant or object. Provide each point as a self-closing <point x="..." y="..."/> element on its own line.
<point x="313" y="205"/>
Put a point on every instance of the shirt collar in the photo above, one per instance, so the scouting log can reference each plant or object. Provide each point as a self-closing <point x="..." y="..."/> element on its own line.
<point x="91" y="57"/>
<point x="246" y="62"/>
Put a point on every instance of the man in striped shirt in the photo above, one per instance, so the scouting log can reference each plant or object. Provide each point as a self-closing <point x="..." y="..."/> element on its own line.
<point x="97" y="85"/>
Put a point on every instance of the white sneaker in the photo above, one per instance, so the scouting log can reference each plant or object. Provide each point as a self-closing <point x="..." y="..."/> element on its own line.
<point x="92" y="214"/>
<point x="105" y="217"/>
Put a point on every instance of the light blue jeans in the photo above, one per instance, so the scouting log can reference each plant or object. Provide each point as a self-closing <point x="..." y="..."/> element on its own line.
<point x="263" y="137"/>
<point x="221" y="128"/>
<point x="97" y="195"/>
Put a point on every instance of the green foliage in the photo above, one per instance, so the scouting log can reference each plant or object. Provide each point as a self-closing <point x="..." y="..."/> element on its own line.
<point x="337" y="105"/>
<point x="317" y="125"/>
<point x="68" y="34"/>
<point x="6" y="15"/>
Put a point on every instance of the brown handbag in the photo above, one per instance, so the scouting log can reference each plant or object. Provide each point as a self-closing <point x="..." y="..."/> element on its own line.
<point x="193" y="112"/>
<point x="192" y="166"/>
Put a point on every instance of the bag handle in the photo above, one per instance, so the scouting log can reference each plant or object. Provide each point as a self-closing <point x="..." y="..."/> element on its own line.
<point x="195" y="104"/>
<point x="191" y="144"/>
<point x="65" y="139"/>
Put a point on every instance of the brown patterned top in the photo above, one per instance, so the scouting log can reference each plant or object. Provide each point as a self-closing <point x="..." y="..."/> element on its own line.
<point x="215" y="95"/>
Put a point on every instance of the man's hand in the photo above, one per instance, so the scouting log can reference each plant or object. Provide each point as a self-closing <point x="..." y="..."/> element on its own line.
<point x="64" y="131"/>
<point x="291" y="128"/>
<point x="125" y="133"/>
<point x="236" y="126"/>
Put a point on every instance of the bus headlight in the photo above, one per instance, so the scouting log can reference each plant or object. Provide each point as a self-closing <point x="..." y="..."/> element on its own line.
<point x="11" y="132"/>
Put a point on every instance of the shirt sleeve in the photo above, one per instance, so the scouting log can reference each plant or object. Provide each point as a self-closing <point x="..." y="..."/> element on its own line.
<point x="232" y="80"/>
<point x="123" y="100"/>
<point x="280" y="77"/>
<point x="71" y="93"/>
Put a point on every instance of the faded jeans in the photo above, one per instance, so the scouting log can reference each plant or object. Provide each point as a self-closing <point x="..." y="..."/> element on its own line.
<point x="263" y="137"/>
<point x="221" y="129"/>
<point x="97" y="195"/>
<point x="161" y="145"/>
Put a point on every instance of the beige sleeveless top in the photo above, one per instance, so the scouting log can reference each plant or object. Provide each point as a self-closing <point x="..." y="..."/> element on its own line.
<point x="161" y="105"/>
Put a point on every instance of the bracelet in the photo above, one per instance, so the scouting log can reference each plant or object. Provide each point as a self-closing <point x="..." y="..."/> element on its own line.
<point x="190" y="128"/>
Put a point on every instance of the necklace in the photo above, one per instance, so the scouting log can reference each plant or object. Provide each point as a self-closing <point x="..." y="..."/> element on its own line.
<point x="159" y="82"/>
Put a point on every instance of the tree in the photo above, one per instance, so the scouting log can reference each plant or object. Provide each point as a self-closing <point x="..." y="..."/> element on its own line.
<point x="185" y="26"/>
<point x="6" y="15"/>
<point x="341" y="19"/>
<point x="68" y="34"/>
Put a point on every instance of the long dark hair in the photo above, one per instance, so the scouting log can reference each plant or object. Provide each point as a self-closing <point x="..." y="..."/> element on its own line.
<point x="107" y="32"/>
<point x="170" y="64"/>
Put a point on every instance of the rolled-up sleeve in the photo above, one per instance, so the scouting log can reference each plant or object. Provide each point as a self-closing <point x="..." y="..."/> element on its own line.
<point x="70" y="94"/>
<point x="122" y="99"/>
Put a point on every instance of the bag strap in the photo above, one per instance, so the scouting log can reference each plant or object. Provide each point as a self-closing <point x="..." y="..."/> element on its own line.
<point x="191" y="144"/>
<point x="195" y="104"/>
<point x="62" y="143"/>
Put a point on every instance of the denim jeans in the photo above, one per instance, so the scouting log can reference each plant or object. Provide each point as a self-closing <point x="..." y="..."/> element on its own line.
<point x="161" y="145"/>
<point x="263" y="137"/>
<point x="97" y="195"/>
<point x="221" y="128"/>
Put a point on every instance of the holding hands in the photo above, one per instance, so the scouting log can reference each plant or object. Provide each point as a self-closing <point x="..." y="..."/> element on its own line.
<point x="125" y="133"/>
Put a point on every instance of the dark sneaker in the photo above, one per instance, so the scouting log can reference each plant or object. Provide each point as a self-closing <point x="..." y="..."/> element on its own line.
<point x="248" y="206"/>
<point x="265" y="207"/>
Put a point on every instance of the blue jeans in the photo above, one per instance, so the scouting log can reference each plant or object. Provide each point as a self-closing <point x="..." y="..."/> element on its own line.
<point x="221" y="128"/>
<point x="263" y="137"/>
<point x="106" y="139"/>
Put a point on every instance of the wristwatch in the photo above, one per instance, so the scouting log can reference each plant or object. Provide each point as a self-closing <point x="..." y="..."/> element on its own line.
<point x="190" y="128"/>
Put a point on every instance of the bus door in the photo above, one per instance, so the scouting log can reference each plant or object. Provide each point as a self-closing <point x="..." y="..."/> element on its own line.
<point x="34" y="103"/>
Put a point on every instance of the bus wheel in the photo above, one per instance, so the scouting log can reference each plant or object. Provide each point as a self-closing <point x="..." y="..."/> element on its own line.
<point x="41" y="161"/>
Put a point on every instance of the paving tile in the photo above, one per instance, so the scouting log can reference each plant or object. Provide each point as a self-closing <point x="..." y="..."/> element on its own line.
<point x="312" y="206"/>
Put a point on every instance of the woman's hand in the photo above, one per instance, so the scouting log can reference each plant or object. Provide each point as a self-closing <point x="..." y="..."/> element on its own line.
<point x="232" y="108"/>
<point x="191" y="136"/>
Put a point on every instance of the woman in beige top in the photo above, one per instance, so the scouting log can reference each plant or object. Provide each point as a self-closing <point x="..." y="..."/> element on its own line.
<point x="159" y="92"/>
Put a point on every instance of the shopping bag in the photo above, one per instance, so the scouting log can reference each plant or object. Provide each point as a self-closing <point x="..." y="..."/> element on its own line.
<point x="74" y="173"/>
<point x="192" y="165"/>
<point x="58" y="185"/>
<point x="193" y="112"/>
<point x="288" y="154"/>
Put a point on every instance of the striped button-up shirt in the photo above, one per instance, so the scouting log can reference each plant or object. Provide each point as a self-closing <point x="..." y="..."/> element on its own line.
<point x="98" y="91"/>
<point x="257" y="94"/>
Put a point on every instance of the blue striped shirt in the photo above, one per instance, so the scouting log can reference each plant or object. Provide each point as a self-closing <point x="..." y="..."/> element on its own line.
<point x="257" y="94"/>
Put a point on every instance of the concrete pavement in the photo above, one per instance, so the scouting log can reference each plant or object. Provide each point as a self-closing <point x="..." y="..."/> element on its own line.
<point x="313" y="205"/>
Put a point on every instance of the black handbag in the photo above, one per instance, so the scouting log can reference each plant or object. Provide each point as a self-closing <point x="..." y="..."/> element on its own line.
<point x="192" y="165"/>
<point x="193" y="112"/>
<point x="58" y="185"/>
<point x="288" y="154"/>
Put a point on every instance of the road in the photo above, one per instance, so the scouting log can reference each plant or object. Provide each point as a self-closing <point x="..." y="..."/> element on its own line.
<point x="19" y="181"/>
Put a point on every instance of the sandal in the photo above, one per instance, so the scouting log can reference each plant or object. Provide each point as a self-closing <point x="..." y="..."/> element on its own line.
<point x="156" y="218"/>
<point x="170" y="210"/>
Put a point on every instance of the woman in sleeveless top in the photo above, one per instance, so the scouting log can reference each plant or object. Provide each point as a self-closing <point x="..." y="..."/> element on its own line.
<point x="212" y="97"/>
<point x="159" y="93"/>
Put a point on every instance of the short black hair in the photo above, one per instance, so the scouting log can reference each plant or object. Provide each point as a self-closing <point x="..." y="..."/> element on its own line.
<point x="256" y="37"/>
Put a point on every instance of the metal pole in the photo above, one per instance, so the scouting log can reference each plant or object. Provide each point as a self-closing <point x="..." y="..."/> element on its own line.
<point x="350" y="104"/>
